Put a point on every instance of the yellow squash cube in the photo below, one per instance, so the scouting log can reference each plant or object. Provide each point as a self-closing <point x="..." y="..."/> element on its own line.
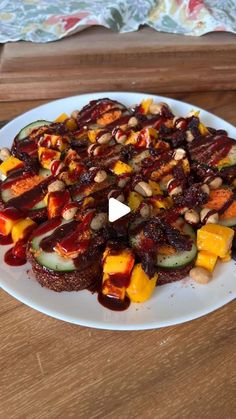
<point x="118" y="263"/>
<point x="46" y="155"/>
<point x="92" y="135"/>
<point x="161" y="202"/>
<point x="203" y="129"/>
<point x="121" y="168"/>
<point x="22" y="229"/>
<point x="141" y="286"/>
<point x="134" y="200"/>
<point x="71" y="124"/>
<point x="62" y="117"/>
<point x="133" y="137"/>
<point x="8" y="218"/>
<point x="215" y="238"/>
<point x="156" y="190"/>
<point x="10" y="164"/>
<point x="145" y="105"/>
<point x="206" y="260"/>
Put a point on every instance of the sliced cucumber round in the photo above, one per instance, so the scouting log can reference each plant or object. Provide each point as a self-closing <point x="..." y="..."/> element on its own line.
<point x="7" y="194"/>
<point x="51" y="260"/>
<point x="180" y="258"/>
<point x="25" y="132"/>
<point x="44" y="172"/>
<point x="177" y="260"/>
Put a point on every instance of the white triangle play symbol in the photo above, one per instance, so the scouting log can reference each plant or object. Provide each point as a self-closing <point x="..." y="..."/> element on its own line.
<point x="116" y="209"/>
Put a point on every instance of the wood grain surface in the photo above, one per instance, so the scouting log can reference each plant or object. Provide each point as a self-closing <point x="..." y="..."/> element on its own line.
<point x="51" y="369"/>
<point x="146" y="60"/>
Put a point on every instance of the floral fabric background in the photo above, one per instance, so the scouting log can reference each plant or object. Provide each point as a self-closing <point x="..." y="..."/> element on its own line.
<point x="49" y="20"/>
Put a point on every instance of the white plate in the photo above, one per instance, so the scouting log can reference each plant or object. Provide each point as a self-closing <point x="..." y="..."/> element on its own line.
<point x="171" y="304"/>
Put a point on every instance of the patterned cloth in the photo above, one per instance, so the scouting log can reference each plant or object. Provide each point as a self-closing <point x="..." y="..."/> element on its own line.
<point x="49" y="20"/>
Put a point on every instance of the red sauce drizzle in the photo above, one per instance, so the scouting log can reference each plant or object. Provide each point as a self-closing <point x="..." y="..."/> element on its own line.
<point x="28" y="146"/>
<point x="48" y="243"/>
<point x="12" y="259"/>
<point x="4" y="240"/>
<point x="30" y="198"/>
<point x="47" y="226"/>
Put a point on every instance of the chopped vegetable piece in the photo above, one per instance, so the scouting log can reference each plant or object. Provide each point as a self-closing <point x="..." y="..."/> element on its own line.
<point x="134" y="200"/>
<point x="10" y="164"/>
<point x="206" y="260"/>
<point x="215" y="238"/>
<point x="118" y="262"/>
<point x="141" y="286"/>
<point x="22" y="229"/>
<point x="56" y="201"/>
<point x="218" y="198"/>
<point x="46" y="155"/>
<point x="8" y="218"/>
<point x="121" y="168"/>
<point x="62" y="117"/>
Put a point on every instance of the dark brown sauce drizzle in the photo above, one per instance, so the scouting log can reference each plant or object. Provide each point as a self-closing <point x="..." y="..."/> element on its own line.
<point x="48" y="243"/>
<point x="5" y="240"/>
<point x="113" y="304"/>
<point x="227" y="204"/>
<point x="30" y="198"/>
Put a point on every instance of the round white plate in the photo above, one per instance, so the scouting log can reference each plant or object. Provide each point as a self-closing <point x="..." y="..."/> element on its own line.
<point x="171" y="304"/>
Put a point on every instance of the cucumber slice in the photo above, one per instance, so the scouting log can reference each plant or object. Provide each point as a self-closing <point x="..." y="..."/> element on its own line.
<point x="228" y="222"/>
<point x="25" y="132"/>
<point x="181" y="258"/>
<point x="177" y="260"/>
<point x="44" y="172"/>
<point x="7" y="194"/>
<point x="51" y="260"/>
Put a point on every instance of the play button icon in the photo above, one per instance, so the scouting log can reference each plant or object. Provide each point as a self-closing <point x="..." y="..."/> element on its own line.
<point x="116" y="209"/>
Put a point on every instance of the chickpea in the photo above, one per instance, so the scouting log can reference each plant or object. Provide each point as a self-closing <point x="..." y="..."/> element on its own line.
<point x="57" y="185"/>
<point x="200" y="275"/>
<point x="143" y="188"/>
<point x="100" y="176"/>
<point x="4" y="153"/>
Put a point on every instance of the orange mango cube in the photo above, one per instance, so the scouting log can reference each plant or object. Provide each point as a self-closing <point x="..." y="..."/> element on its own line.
<point x="56" y="201"/>
<point x="22" y="229"/>
<point x="8" y="218"/>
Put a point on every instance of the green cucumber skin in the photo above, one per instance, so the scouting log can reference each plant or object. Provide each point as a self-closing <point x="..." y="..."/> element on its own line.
<point x="52" y="260"/>
<point x="180" y="259"/>
<point x="177" y="260"/>
<point x="24" y="132"/>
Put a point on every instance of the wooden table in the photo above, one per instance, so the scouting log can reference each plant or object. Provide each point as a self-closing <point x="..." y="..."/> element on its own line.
<point x="51" y="369"/>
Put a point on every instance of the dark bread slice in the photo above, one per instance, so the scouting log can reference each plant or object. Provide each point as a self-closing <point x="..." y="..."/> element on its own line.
<point x="65" y="281"/>
<point x="166" y="276"/>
